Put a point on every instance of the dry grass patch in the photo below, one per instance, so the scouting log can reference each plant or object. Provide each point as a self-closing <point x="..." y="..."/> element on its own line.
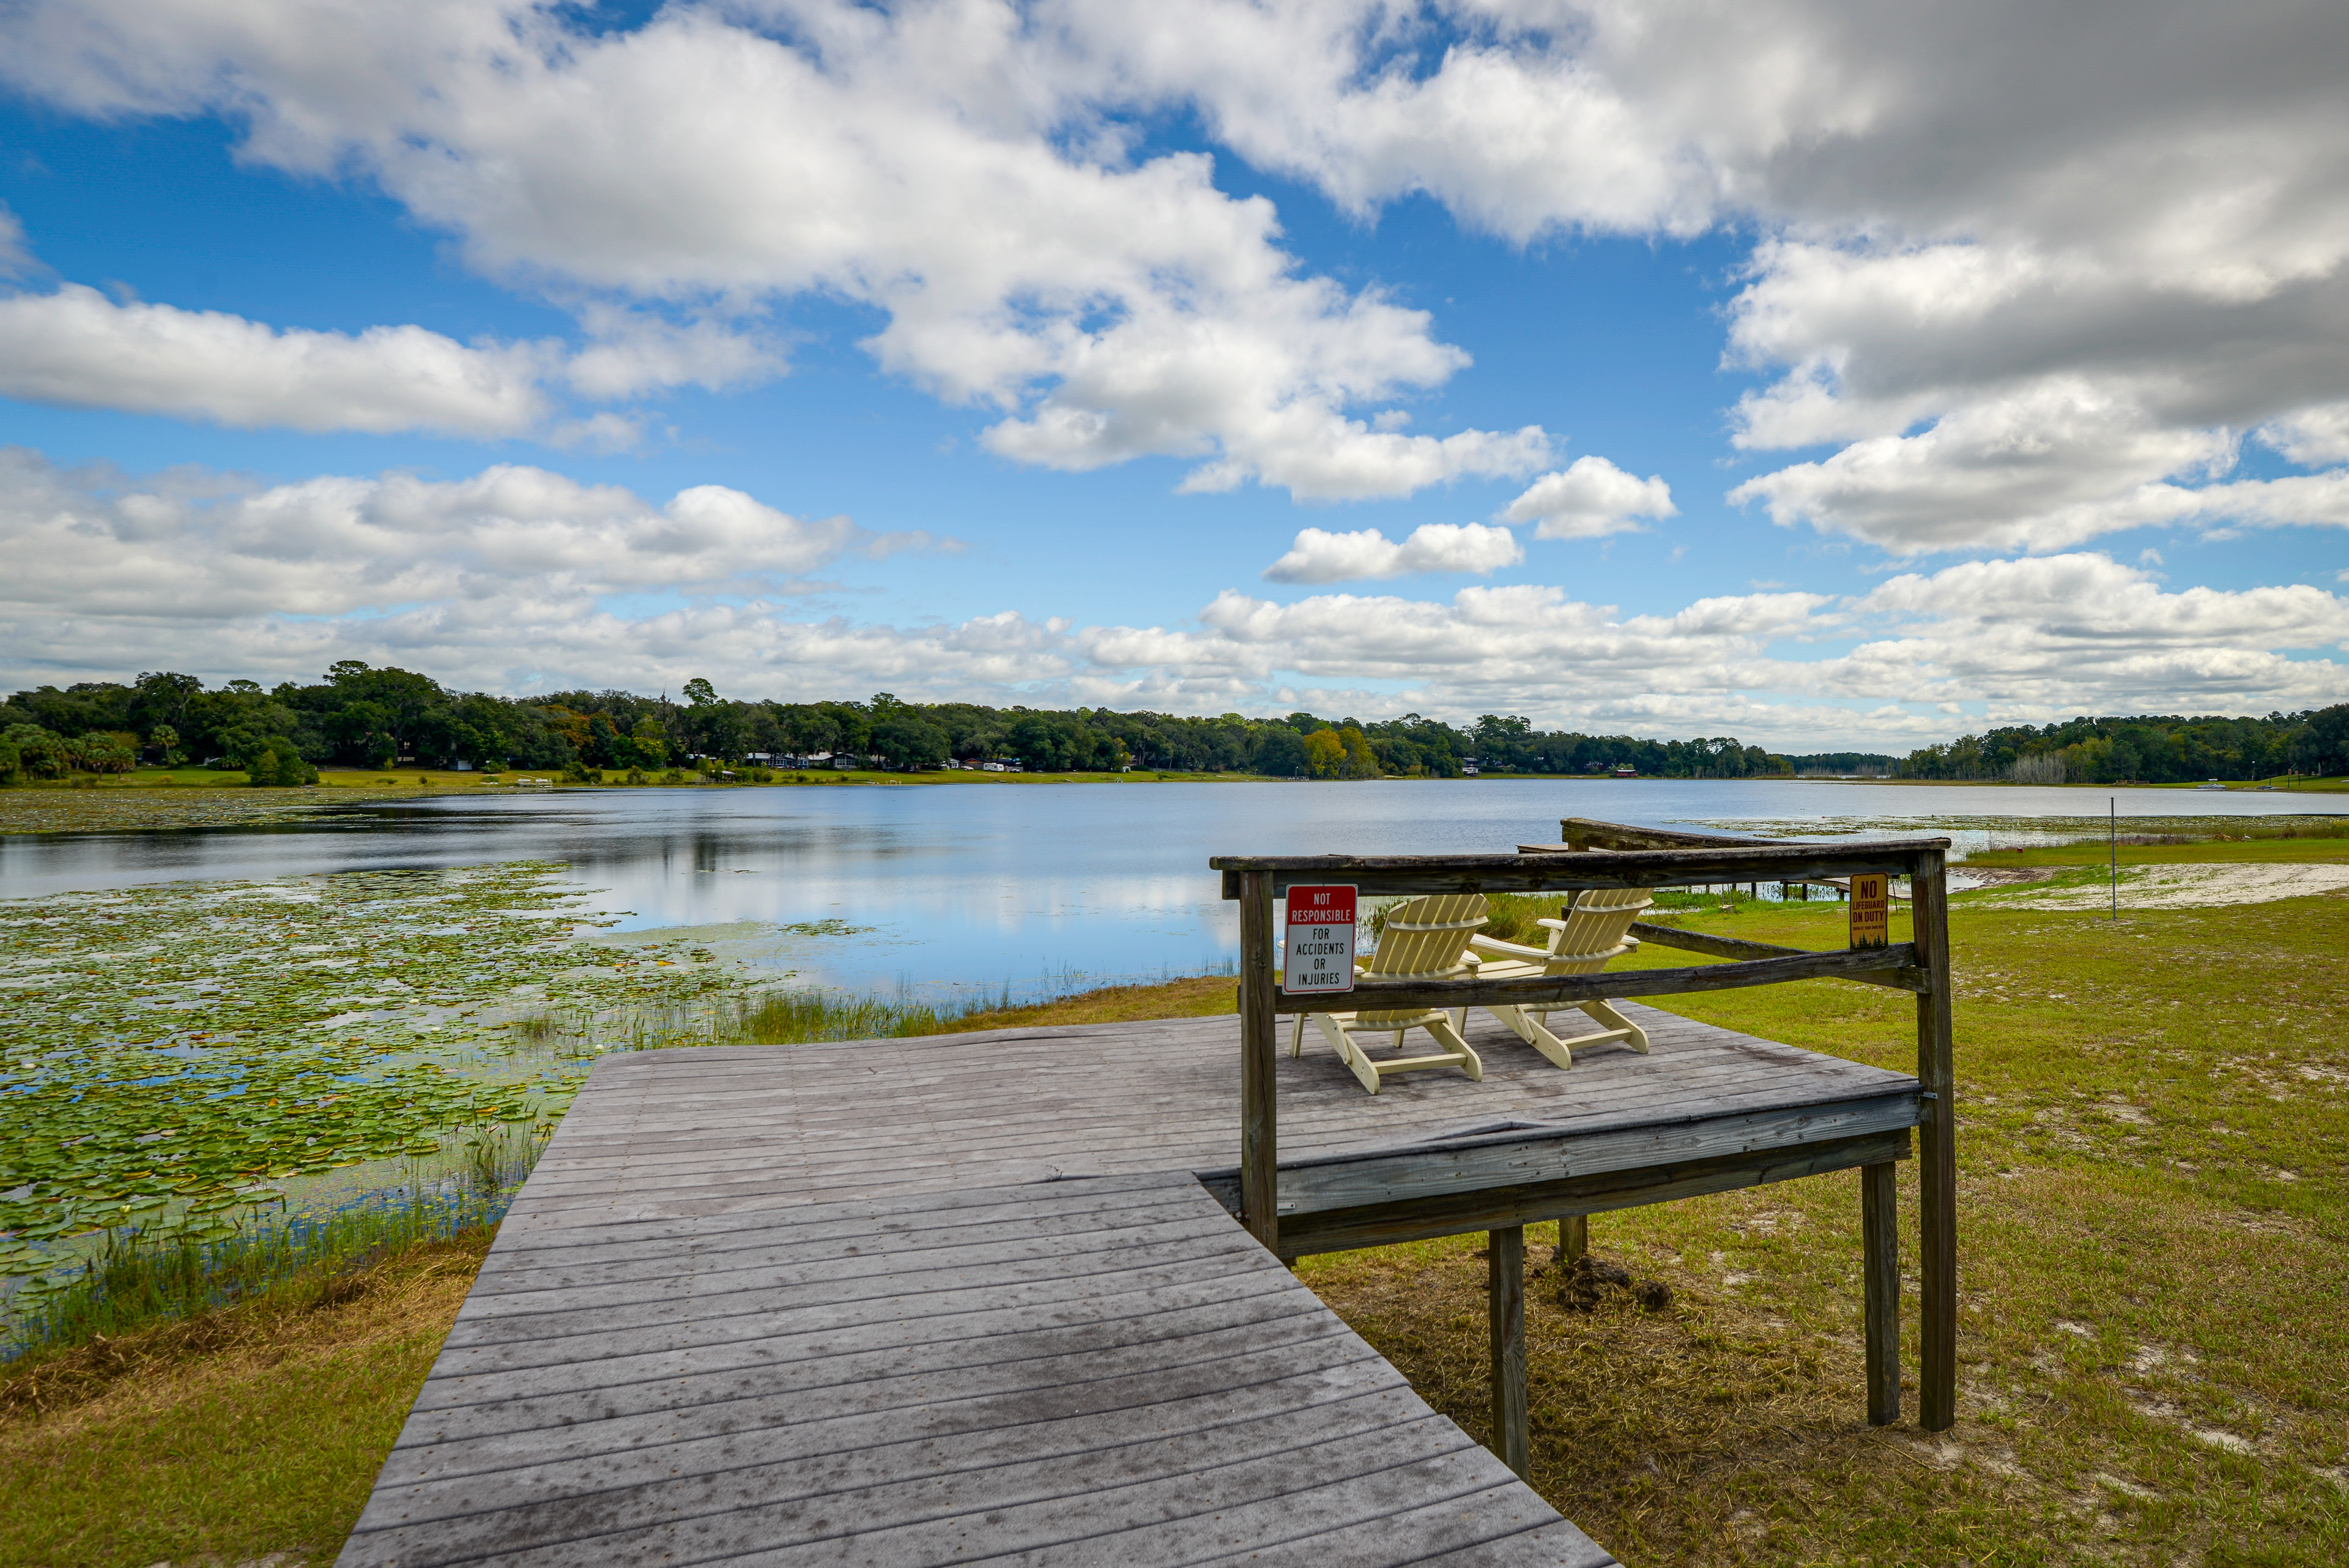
<point x="249" y="1432"/>
<point x="1200" y="996"/>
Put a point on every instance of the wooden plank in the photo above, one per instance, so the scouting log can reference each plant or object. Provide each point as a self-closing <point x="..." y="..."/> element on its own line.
<point x="1504" y="1253"/>
<point x="1383" y="874"/>
<point x="1393" y="995"/>
<point x="1078" y="1406"/>
<point x="1134" y="1519"/>
<point x="874" y="1364"/>
<point x="1513" y="1159"/>
<point x="1259" y="1088"/>
<point x="615" y="1354"/>
<point x="593" y="1314"/>
<point x="1908" y="979"/>
<point x="592" y="1293"/>
<point x="1879" y="1232"/>
<point x="894" y="1496"/>
<point x="654" y="1250"/>
<point x="1583" y="833"/>
<point x="1130" y="1198"/>
<point x="1455" y="1214"/>
<point x="1465" y="1531"/>
<point x="1937" y="1166"/>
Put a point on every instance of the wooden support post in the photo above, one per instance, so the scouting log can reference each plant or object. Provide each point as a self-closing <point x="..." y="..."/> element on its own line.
<point x="1937" y="1162"/>
<point x="1880" y="1235"/>
<point x="1505" y="1271"/>
<point x="1259" y="1112"/>
<point x="1573" y="1238"/>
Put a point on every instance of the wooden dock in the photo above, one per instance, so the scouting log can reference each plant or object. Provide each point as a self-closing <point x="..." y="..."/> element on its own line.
<point x="982" y="1298"/>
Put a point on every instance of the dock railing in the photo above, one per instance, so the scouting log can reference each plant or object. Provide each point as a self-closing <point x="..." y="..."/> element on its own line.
<point x="1595" y="855"/>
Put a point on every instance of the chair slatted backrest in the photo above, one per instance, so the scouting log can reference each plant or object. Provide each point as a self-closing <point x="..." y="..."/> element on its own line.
<point x="1425" y="939"/>
<point x="1594" y="930"/>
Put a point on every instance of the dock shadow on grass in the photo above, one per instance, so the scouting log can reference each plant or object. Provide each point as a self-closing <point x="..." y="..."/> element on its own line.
<point x="250" y="1433"/>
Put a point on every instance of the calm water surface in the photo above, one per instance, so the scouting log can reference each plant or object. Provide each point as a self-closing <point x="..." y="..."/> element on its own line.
<point x="1038" y="888"/>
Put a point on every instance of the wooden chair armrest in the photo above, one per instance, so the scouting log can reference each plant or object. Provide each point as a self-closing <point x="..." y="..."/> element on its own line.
<point x="1495" y="945"/>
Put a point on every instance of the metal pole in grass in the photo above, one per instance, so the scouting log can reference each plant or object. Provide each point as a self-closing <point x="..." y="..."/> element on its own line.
<point x="2113" y="851"/>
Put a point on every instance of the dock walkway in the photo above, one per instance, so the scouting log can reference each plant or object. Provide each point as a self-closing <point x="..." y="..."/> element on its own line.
<point x="980" y="1298"/>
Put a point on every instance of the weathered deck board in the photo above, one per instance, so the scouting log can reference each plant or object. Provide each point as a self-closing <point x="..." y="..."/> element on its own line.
<point x="964" y="1298"/>
<point x="1094" y="1371"/>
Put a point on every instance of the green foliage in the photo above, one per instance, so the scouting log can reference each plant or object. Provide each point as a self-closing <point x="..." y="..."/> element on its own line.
<point x="35" y="752"/>
<point x="368" y="717"/>
<point x="373" y="717"/>
<point x="2146" y="750"/>
<point x="1325" y="753"/>
<point x="905" y="740"/>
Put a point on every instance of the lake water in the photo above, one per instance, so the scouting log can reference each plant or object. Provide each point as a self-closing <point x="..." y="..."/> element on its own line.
<point x="1033" y="887"/>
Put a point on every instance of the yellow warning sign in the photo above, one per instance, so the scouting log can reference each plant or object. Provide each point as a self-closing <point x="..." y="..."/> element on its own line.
<point x="1871" y="911"/>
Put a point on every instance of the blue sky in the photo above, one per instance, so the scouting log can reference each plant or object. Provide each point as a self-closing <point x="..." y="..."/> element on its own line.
<point x="968" y="351"/>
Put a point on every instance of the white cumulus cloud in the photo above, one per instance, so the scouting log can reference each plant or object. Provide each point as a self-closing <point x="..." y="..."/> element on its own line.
<point x="1320" y="557"/>
<point x="518" y="579"/>
<point x="78" y="348"/>
<point x="189" y="548"/>
<point x="2028" y="271"/>
<point x="1590" y="499"/>
<point x="927" y="160"/>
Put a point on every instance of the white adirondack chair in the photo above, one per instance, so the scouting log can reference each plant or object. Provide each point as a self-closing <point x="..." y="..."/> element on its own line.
<point x="1423" y="939"/>
<point x="1596" y="928"/>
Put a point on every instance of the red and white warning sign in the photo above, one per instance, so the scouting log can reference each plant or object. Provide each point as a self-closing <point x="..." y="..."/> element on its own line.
<point x="1319" y="952"/>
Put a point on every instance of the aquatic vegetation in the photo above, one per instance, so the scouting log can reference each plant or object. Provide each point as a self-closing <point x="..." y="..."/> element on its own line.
<point x="174" y="1056"/>
<point x="131" y="1278"/>
<point x="123" y="809"/>
<point x="834" y="927"/>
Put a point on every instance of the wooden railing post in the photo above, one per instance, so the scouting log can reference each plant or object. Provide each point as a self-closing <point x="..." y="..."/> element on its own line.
<point x="1259" y="1112"/>
<point x="1573" y="1238"/>
<point x="1880" y="1246"/>
<point x="1506" y="1281"/>
<point x="1936" y="1163"/>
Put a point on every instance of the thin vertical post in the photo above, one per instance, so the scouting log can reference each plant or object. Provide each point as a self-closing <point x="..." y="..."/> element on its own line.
<point x="1259" y="1111"/>
<point x="1879" y="1234"/>
<point x="2113" y="852"/>
<point x="1573" y="1238"/>
<point x="1505" y="1273"/>
<point x="1937" y="1165"/>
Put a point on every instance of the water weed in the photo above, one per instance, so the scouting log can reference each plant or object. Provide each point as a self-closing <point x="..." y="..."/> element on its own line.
<point x="178" y="1058"/>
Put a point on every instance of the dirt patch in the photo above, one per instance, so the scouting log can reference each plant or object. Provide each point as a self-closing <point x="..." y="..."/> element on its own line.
<point x="2184" y="887"/>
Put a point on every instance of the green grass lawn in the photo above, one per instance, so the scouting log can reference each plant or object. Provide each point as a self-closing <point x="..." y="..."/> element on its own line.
<point x="2153" y="1155"/>
<point x="254" y="1431"/>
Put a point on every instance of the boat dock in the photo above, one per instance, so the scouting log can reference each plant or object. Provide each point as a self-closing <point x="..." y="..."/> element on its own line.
<point x="999" y="1298"/>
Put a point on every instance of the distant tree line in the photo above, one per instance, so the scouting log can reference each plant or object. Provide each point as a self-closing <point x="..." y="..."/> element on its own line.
<point x="2146" y="750"/>
<point x="360" y="716"/>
